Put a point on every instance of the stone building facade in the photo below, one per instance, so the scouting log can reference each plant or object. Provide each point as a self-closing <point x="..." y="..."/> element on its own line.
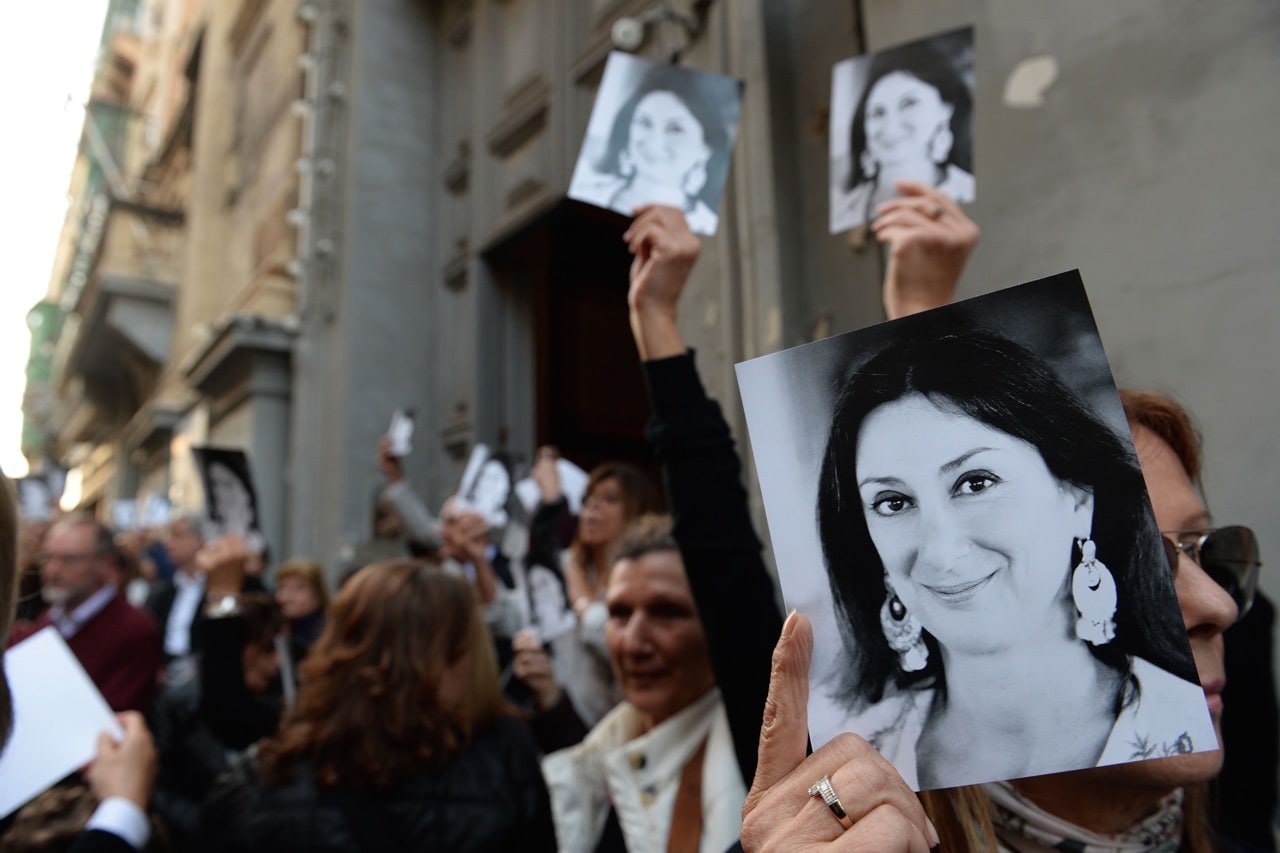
<point x="373" y="218"/>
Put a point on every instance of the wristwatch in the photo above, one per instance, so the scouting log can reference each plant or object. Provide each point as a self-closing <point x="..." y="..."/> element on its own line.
<point x="223" y="608"/>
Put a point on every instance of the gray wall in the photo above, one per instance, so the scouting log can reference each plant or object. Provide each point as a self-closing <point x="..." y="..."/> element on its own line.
<point x="368" y="305"/>
<point x="1152" y="167"/>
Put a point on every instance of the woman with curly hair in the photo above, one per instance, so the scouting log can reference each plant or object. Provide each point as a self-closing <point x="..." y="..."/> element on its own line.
<point x="398" y="740"/>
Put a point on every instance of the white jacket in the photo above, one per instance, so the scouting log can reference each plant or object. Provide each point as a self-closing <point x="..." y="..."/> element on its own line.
<point x="640" y="774"/>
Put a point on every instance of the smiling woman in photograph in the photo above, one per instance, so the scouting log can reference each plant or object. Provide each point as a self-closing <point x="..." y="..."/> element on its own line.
<point x="912" y="122"/>
<point x="668" y="144"/>
<point x="978" y="524"/>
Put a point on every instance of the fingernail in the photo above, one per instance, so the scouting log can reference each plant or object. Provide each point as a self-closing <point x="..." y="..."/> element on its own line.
<point x="934" y="840"/>
<point x="789" y="626"/>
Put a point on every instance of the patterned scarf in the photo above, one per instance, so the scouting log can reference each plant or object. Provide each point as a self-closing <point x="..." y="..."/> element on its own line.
<point x="1026" y="828"/>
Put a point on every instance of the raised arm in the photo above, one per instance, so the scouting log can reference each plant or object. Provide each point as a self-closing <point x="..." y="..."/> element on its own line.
<point x="420" y="525"/>
<point x="722" y="555"/>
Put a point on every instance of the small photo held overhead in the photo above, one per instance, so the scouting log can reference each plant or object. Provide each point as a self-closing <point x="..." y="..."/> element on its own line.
<point x="231" y="502"/>
<point x="485" y="486"/>
<point x="955" y="502"/>
<point x="659" y="134"/>
<point x="400" y="433"/>
<point x="903" y="113"/>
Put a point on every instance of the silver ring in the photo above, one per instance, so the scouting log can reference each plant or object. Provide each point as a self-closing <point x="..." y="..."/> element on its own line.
<point x="822" y="788"/>
<point x="937" y="211"/>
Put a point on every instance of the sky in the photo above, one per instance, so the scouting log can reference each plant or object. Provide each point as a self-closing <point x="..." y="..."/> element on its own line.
<point x="47" y="51"/>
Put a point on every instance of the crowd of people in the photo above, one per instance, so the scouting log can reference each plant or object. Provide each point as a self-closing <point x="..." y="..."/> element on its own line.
<point x="614" y="680"/>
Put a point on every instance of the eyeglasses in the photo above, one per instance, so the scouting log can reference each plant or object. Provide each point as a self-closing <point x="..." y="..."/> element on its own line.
<point x="1228" y="555"/>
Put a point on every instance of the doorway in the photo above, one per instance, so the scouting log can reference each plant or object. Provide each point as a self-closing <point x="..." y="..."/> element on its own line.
<point x="590" y="399"/>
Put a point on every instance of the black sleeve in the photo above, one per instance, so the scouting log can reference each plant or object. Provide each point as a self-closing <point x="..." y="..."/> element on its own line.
<point x="100" y="841"/>
<point x="231" y="712"/>
<point x="225" y="816"/>
<point x="722" y="555"/>
<point x="1247" y="791"/>
<point x="558" y="727"/>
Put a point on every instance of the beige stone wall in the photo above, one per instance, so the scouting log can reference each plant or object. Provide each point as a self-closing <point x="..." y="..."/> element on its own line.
<point x="242" y="183"/>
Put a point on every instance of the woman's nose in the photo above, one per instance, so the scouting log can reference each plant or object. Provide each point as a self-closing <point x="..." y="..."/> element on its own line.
<point x="1207" y="609"/>
<point x="944" y="543"/>
<point x="635" y="636"/>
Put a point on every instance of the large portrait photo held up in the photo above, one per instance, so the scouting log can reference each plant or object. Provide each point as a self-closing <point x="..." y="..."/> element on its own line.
<point x="957" y="506"/>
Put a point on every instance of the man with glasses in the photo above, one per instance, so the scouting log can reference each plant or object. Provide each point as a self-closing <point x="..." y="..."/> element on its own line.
<point x="117" y="644"/>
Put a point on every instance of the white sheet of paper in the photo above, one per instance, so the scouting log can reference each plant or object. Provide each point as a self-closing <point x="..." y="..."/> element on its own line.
<point x="401" y="433"/>
<point x="57" y="716"/>
<point x="156" y="511"/>
<point x="479" y="454"/>
<point x="573" y="483"/>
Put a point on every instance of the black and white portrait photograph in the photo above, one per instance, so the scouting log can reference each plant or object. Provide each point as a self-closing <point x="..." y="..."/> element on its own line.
<point x="955" y="502"/>
<point x="904" y="113"/>
<point x="659" y="134"/>
<point x="231" y="503"/>
<point x="486" y="485"/>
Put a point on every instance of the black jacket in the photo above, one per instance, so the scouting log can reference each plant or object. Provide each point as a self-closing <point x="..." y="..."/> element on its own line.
<point x="489" y="798"/>
<point x="722" y="555"/>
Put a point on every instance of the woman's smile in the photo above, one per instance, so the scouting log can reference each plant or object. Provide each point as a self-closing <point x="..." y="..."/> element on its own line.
<point x="960" y="593"/>
<point x="666" y="140"/>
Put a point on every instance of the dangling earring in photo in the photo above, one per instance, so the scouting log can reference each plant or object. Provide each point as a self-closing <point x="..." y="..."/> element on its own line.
<point x="695" y="179"/>
<point x="1094" y="591"/>
<point x="870" y="166"/>
<point x="940" y="144"/>
<point x="625" y="167"/>
<point x="902" y="632"/>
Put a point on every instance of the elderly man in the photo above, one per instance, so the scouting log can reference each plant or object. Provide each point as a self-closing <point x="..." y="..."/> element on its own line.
<point x="116" y="643"/>
<point x="659" y="771"/>
<point x="122" y="773"/>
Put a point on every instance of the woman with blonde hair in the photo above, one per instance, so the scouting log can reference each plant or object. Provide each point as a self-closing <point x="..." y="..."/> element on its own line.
<point x="398" y="740"/>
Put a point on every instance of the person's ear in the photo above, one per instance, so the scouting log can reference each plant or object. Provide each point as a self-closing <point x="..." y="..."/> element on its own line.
<point x="625" y="167"/>
<point x="1082" y="506"/>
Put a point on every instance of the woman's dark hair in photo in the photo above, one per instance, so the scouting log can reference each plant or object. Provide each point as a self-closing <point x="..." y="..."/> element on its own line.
<point x="702" y="94"/>
<point x="929" y="65"/>
<point x="1001" y="384"/>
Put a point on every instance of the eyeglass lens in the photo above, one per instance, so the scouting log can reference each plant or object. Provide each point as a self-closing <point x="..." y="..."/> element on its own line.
<point x="1228" y="555"/>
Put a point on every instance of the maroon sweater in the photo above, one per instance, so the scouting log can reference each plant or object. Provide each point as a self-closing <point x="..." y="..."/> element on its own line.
<point x="120" y="650"/>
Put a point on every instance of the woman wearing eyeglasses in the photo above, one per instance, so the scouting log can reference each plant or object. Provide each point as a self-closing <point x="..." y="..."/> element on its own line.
<point x="1144" y="806"/>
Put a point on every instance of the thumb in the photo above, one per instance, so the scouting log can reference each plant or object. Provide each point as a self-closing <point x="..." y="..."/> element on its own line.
<point x="784" y="736"/>
<point x="106" y="745"/>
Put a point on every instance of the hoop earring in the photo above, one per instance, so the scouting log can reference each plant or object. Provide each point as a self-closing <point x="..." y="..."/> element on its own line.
<point x="903" y="633"/>
<point x="1094" y="591"/>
